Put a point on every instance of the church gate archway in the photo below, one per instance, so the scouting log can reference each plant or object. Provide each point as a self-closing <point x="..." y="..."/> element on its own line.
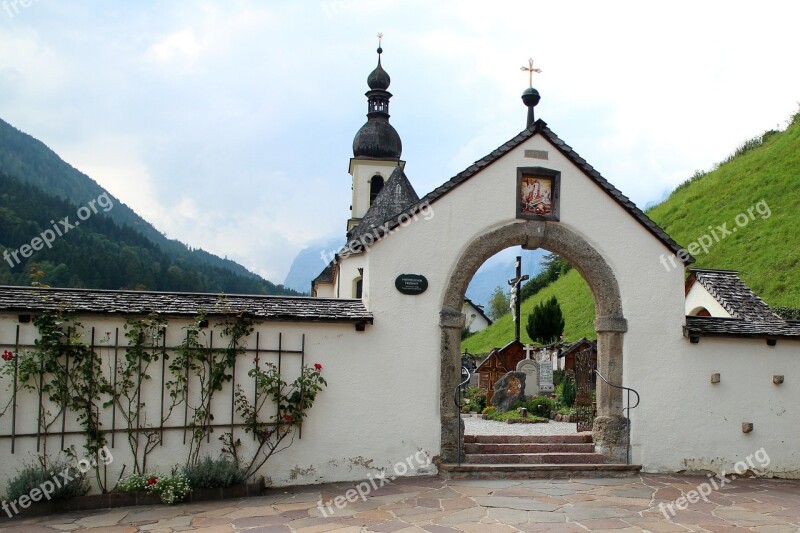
<point x="610" y="323"/>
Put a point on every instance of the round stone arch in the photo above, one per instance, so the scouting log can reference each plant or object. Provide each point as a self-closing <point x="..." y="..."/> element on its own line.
<point x="609" y="426"/>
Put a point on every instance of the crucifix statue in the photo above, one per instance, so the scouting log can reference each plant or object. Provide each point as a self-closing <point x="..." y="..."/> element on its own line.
<point x="530" y="70"/>
<point x="515" y="302"/>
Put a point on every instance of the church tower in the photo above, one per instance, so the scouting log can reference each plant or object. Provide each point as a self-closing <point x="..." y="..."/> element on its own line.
<point x="376" y="147"/>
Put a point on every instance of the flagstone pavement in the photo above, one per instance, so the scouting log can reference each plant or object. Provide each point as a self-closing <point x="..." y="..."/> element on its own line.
<point x="436" y="505"/>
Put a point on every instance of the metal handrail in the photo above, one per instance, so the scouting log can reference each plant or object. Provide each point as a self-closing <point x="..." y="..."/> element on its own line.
<point x="457" y="399"/>
<point x="627" y="410"/>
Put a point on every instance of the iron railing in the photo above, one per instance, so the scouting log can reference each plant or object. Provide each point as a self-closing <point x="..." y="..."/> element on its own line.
<point x="457" y="399"/>
<point x="627" y="410"/>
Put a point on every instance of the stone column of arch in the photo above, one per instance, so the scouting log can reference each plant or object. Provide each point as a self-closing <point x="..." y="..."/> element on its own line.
<point x="609" y="426"/>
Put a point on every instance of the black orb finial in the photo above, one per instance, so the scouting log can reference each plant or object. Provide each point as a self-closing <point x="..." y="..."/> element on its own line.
<point x="530" y="97"/>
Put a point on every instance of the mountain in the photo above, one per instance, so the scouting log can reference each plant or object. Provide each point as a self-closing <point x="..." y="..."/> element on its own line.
<point x="38" y="188"/>
<point x="762" y="177"/>
<point x="309" y="262"/>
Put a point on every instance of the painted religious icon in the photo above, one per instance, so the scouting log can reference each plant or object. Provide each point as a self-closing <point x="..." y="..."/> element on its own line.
<point x="537" y="195"/>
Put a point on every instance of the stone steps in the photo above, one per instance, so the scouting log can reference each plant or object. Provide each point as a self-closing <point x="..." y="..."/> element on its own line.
<point x="581" y="447"/>
<point x="541" y="471"/>
<point x="533" y="457"/>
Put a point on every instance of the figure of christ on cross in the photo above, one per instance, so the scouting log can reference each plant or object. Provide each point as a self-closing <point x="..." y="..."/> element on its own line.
<point x="515" y="301"/>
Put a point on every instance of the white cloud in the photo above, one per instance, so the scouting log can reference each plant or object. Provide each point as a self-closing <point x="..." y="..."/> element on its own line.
<point x="229" y="125"/>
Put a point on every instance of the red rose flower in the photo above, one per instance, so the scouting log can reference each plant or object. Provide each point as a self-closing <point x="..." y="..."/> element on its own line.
<point x="152" y="481"/>
<point x="288" y="418"/>
<point x="317" y="367"/>
<point x="7" y="356"/>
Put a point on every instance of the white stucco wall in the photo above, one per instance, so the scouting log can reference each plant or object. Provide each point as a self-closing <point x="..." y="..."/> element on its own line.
<point x="362" y="421"/>
<point x="702" y="422"/>
<point x="698" y="297"/>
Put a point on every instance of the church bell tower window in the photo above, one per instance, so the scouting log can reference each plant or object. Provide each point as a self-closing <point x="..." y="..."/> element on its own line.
<point x="375" y="187"/>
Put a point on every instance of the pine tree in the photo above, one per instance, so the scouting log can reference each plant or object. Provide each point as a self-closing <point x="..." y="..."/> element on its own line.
<point x="546" y="322"/>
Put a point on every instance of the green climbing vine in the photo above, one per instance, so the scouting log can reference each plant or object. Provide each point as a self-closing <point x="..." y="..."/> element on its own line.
<point x="293" y="402"/>
<point x="212" y="368"/>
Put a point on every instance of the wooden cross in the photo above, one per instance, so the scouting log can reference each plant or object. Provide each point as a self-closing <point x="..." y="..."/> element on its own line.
<point x="530" y="70"/>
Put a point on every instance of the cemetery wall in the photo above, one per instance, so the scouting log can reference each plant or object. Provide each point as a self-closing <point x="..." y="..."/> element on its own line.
<point x="363" y="421"/>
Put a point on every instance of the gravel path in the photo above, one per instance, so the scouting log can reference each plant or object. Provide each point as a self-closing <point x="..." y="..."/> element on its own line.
<point x="477" y="426"/>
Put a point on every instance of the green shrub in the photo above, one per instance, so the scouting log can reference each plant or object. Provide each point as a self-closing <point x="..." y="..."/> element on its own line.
<point x="34" y="475"/>
<point x="514" y="416"/>
<point x="214" y="473"/>
<point x="474" y="399"/>
<point x="539" y="406"/>
<point x="490" y="410"/>
<point x="558" y="377"/>
<point x="565" y="392"/>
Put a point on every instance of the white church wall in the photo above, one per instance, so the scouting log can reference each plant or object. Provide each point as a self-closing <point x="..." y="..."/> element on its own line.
<point x="695" y="425"/>
<point x="361" y="423"/>
<point x="698" y="297"/>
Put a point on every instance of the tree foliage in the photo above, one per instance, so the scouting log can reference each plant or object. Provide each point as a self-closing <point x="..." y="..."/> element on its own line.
<point x="546" y="322"/>
<point x="498" y="303"/>
<point x="554" y="266"/>
<point x="100" y="254"/>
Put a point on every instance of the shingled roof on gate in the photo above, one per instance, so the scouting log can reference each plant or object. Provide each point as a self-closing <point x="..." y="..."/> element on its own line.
<point x="539" y="127"/>
<point x="108" y="302"/>
<point x="750" y="315"/>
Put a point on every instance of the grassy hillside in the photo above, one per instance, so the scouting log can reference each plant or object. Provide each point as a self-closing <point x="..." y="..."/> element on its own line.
<point x="763" y="177"/>
<point x="572" y="293"/>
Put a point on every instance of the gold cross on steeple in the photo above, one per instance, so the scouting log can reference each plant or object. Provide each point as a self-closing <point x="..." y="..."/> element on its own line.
<point x="380" y="38"/>
<point x="530" y="70"/>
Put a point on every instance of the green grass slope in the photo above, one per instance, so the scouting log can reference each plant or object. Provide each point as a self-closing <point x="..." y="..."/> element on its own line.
<point x="573" y="294"/>
<point x="762" y="176"/>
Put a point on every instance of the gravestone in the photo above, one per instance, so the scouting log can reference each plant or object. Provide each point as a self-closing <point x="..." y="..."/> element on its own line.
<point x="508" y="390"/>
<point x="546" y="376"/>
<point x="530" y="368"/>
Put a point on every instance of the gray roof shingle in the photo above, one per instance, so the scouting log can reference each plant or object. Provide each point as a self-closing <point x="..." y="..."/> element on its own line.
<point x="92" y="301"/>
<point x="396" y="196"/>
<point x="750" y="315"/>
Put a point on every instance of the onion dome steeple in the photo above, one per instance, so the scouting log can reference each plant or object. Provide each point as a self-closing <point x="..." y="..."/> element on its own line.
<point x="377" y="138"/>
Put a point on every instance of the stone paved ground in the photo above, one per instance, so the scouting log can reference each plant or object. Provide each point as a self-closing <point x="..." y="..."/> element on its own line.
<point x="436" y="505"/>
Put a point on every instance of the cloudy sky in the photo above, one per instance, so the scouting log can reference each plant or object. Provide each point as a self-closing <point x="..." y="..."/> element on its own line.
<point x="229" y="125"/>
